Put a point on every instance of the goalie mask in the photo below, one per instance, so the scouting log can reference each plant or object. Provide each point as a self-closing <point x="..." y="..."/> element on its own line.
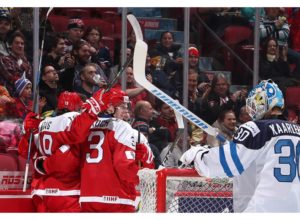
<point x="70" y="101"/>
<point x="263" y="98"/>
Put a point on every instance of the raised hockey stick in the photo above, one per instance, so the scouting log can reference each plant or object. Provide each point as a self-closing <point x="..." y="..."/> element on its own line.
<point x="179" y="134"/>
<point x="139" y="61"/>
<point x="35" y="101"/>
<point x="114" y="80"/>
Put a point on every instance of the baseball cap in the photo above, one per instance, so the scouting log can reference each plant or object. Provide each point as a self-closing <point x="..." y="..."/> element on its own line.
<point x="193" y="51"/>
<point x="75" y="23"/>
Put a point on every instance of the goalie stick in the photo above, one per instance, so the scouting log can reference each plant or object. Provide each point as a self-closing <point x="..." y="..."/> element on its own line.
<point x="35" y="101"/>
<point x="139" y="62"/>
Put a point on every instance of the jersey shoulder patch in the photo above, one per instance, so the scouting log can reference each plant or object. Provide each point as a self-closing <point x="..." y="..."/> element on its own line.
<point x="251" y="127"/>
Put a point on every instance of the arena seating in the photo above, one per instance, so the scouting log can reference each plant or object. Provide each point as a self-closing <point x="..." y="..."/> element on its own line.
<point x="106" y="28"/>
<point x="59" y="23"/>
<point x="236" y="37"/>
<point x="8" y="162"/>
<point x="76" y="12"/>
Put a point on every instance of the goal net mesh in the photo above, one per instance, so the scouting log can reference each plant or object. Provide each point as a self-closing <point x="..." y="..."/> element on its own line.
<point x="183" y="191"/>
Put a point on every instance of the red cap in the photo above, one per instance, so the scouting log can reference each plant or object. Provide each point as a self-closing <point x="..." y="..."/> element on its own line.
<point x="193" y="51"/>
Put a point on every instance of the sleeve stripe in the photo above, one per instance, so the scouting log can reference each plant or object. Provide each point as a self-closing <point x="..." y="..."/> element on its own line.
<point x="224" y="162"/>
<point x="236" y="158"/>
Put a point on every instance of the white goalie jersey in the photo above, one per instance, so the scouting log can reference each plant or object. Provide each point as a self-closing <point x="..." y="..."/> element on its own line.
<point x="263" y="158"/>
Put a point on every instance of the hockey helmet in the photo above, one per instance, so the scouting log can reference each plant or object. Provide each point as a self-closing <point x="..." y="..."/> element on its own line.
<point x="118" y="97"/>
<point x="115" y="96"/>
<point x="263" y="98"/>
<point x="70" y="101"/>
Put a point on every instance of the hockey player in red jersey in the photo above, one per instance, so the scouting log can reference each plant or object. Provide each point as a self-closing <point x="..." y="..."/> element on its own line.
<point x="143" y="153"/>
<point x="109" y="167"/>
<point x="60" y="182"/>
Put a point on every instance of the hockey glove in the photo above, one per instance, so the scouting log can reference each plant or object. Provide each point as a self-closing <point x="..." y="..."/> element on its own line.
<point x="92" y="107"/>
<point x="31" y="123"/>
<point x="38" y="165"/>
<point x="190" y="155"/>
<point x="101" y="100"/>
<point x="143" y="153"/>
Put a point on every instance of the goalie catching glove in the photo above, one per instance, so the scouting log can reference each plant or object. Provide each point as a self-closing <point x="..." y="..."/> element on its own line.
<point x="102" y="100"/>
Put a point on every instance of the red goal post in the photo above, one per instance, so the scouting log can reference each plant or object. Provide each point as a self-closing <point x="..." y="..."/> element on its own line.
<point x="183" y="190"/>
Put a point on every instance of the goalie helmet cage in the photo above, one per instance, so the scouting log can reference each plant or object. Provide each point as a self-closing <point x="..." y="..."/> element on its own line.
<point x="183" y="191"/>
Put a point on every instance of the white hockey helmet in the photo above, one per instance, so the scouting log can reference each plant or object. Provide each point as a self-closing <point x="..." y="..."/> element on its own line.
<point x="263" y="98"/>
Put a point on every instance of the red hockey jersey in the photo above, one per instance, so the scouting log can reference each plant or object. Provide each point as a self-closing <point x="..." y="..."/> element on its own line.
<point x="109" y="170"/>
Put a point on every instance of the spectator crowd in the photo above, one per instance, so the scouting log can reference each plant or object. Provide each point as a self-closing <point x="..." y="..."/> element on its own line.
<point x="79" y="61"/>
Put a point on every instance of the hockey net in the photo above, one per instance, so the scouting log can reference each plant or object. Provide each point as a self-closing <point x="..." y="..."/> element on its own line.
<point x="183" y="191"/>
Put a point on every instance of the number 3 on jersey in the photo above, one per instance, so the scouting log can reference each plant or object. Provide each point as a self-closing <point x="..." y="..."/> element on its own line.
<point x="292" y="160"/>
<point x="97" y="157"/>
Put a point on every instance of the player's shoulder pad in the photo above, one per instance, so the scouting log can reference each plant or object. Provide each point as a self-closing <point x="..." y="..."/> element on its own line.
<point x="57" y="123"/>
<point x="251" y="127"/>
<point x="124" y="133"/>
<point x="248" y="135"/>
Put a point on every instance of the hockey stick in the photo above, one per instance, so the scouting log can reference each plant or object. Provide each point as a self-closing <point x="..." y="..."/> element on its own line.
<point x="112" y="83"/>
<point x="35" y="101"/>
<point x="180" y="131"/>
<point x="139" y="61"/>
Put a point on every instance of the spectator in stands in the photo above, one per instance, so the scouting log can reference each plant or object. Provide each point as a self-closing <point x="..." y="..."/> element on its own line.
<point x="273" y="63"/>
<point x="193" y="93"/>
<point x="243" y="116"/>
<point x="100" y="53"/>
<point x="117" y="66"/>
<point x="75" y="32"/>
<point x="275" y="25"/>
<point x="131" y="39"/>
<point x="70" y="78"/>
<point x="215" y="99"/>
<point x="226" y="125"/>
<point x="5" y="27"/>
<point x="159" y="78"/>
<point x="23" y="100"/>
<point x="202" y="79"/>
<point x="57" y="55"/>
<point x="169" y="52"/>
<point x="137" y="93"/>
<point x="15" y="64"/>
<point x="5" y="101"/>
<point x="143" y="113"/>
<point x="49" y="87"/>
<point x="166" y="119"/>
<point x="89" y="83"/>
